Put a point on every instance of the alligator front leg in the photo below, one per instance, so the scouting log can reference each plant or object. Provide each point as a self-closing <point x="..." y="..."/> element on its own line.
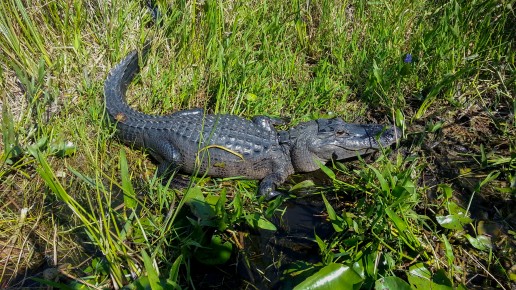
<point x="281" y="168"/>
<point x="270" y="183"/>
<point x="268" y="123"/>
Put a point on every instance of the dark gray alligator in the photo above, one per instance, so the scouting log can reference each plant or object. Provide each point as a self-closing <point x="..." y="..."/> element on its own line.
<point x="230" y="146"/>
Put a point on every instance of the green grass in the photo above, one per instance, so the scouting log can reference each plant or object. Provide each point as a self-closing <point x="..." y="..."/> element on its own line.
<point x="78" y="204"/>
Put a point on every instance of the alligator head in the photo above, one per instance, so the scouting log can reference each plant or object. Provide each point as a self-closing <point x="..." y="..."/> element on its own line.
<point x="334" y="139"/>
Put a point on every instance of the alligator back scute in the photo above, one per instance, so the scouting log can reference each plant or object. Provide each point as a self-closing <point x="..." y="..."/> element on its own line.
<point x="220" y="145"/>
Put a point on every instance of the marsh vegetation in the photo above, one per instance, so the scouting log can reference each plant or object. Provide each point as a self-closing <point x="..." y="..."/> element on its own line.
<point x="80" y="210"/>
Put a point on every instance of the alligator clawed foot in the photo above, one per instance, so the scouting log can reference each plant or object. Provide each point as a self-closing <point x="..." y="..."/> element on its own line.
<point x="273" y="194"/>
<point x="268" y="188"/>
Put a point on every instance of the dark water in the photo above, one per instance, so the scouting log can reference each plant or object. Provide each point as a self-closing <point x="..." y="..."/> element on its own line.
<point x="267" y="254"/>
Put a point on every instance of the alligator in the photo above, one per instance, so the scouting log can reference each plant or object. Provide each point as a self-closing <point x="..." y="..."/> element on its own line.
<point x="221" y="145"/>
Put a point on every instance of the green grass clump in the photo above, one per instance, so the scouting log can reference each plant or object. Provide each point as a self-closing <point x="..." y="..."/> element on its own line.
<point x="81" y="210"/>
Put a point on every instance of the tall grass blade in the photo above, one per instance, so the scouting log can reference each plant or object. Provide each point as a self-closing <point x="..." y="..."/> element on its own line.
<point x="129" y="196"/>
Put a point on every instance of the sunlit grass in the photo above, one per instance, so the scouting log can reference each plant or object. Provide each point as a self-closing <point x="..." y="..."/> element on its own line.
<point x="76" y="202"/>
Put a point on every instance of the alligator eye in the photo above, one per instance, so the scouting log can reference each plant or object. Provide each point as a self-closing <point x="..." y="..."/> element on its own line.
<point x="341" y="133"/>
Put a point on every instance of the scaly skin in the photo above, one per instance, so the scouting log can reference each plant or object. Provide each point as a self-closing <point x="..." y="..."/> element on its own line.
<point x="226" y="145"/>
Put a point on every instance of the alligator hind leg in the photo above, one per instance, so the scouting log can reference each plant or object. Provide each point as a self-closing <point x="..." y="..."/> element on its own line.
<point x="166" y="155"/>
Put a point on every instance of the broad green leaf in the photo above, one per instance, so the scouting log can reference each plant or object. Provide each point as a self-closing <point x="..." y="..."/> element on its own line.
<point x="446" y="189"/>
<point x="432" y="128"/>
<point x="40" y="144"/>
<point x="419" y="270"/>
<point x="400" y="119"/>
<point x="409" y="187"/>
<point x="220" y="211"/>
<point x="265" y="224"/>
<point x="174" y="270"/>
<point x="259" y="221"/>
<point x="420" y="277"/>
<point x="322" y="245"/>
<point x="391" y="282"/>
<point x="332" y="277"/>
<point x="398" y="222"/>
<point x="63" y="148"/>
<point x="212" y="199"/>
<point x="448" y="250"/>
<point x="453" y="221"/>
<point x="301" y="185"/>
<point x="221" y="203"/>
<point x="383" y="183"/>
<point x="481" y="242"/>
<point x="359" y="268"/>
<point x="216" y="253"/>
<point x="325" y="169"/>
<point x="490" y="177"/>
<point x="152" y="274"/>
<point x="194" y="193"/>
<point x="402" y="192"/>
<point x="237" y="205"/>
<point x="298" y="271"/>
<point x="440" y="278"/>
<point x="199" y="205"/>
<point x="457" y="218"/>
<point x="369" y="260"/>
<point x="337" y="221"/>
<point x="455" y="208"/>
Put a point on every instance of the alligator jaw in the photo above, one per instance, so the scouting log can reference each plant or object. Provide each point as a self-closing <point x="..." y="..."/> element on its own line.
<point x="333" y="139"/>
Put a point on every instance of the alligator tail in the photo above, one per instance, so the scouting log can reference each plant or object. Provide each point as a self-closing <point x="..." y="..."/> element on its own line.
<point x="116" y="85"/>
<point x="121" y="76"/>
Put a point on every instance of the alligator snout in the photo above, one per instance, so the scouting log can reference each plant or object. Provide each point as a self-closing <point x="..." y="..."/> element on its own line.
<point x="381" y="136"/>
